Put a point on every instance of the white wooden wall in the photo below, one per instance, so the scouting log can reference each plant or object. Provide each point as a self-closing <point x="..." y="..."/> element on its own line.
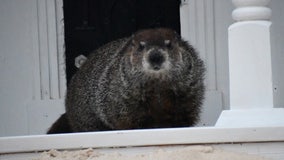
<point x="32" y="77"/>
<point x="205" y="24"/>
<point x="16" y="45"/>
<point x="277" y="39"/>
<point x="32" y="82"/>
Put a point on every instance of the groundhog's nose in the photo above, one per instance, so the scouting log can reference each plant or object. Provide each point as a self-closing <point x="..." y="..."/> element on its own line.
<point x="156" y="59"/>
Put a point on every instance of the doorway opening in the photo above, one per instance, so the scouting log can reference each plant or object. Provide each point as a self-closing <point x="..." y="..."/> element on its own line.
<point x="89" y="24"/>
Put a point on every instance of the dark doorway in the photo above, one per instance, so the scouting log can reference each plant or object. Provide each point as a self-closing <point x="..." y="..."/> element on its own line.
<point x="92" y="23"/>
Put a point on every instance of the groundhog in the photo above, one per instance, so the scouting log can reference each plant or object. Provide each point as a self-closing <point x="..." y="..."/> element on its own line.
<point x="153" y="79"/>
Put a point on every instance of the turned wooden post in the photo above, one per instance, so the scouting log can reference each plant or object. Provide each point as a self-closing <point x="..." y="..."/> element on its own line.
<point x="250" y="67"/>
<point x="250" y="55"/>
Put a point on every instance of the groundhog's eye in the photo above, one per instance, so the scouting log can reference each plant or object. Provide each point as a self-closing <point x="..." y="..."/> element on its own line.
<point x="168" y="43"/>
<point x="141" y="45"/>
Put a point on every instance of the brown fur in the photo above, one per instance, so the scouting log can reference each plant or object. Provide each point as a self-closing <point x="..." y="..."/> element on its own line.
<point x="153" y="79"/>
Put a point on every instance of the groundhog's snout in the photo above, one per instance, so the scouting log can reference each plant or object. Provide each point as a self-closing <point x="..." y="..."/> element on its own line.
<point x="156" y="59"/>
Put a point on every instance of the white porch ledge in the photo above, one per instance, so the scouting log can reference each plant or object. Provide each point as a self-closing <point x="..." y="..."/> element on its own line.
<point x="135" y="138"/>
<point x="251" y="117"/>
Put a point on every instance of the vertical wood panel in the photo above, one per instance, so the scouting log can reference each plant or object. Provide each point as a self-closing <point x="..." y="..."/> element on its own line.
<point x="52" y="45"/>
<point x="35" y="56"/>
<point x="50" y="76"/>
<point x="29" y="62"/>
<point x="60" y="48"/>
<point x="277" y="40"/>
<point x="197" y="26"/>
<point x="43" y="50"/>
<point x="210" y="43"/>
<point x="200" y="33"/>
<point x="223" y="19"/>
<point x="17" y="48"/>
<point x="51" y="55"/>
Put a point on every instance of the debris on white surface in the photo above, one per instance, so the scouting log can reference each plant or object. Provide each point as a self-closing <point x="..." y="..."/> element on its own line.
<point x="186" y="153"/>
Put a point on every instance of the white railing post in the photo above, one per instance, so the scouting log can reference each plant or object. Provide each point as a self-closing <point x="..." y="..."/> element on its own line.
<point x="250" y="55"/>
<point x="250" y="67"/>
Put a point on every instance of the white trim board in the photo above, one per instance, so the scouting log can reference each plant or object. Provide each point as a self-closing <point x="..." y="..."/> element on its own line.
<point x="272" y="150"/>
<point x="134" y="138"/>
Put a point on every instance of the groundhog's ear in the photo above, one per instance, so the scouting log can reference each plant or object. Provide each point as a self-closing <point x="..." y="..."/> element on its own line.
<point x="168" y="43"/>
<point x="177" y="36"/>
<point x="142" y="45"/>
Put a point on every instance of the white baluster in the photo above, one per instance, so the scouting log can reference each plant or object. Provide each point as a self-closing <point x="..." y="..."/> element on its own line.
<point x="248" y="10"/>
<point x="250" y="55"/>
<point x="251" y="85"/>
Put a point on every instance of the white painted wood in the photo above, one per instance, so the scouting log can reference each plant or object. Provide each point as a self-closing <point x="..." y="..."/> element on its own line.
<point x="44" y="111"/>
<point x="277" y="41"/>
<point x="272" y="150"/>
<point x="48" y="49"/>
<point x="239" y="3"/>
<point x="211" y="109"/>
<point x="178" y="136"/>
<point x="60" y="48"/>
<point x="32" y="64"/>
<point x="16" y="64"/>
<point x="197" y="27"/>
<point x="222" y="11"/>
<point x="210" y="39"/>
<point x="250" y="65"/>
<point x="251" y="10"/>
<point x="252" y="13"/>
<point x="19" y="156"/>
<point x="43" y="49"/>
<point x="222" y="20"/>
<point x="184" y="20"/>
<point x="250" y="59"/>
<point x="251" y="79"/>
<point x="251" y="117"/>
<point x="42" y="115"/>
<point x="52" y="49"/>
